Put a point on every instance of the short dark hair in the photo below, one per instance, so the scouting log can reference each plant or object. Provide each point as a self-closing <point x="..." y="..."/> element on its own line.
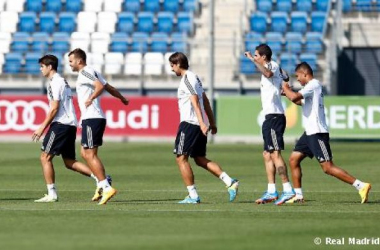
<point x="264" y="49"/>
<point x="49" y="60"/>
<point x="179" y="58"/>
<point x="305" y="67"/>
<point x="79" y="53"/>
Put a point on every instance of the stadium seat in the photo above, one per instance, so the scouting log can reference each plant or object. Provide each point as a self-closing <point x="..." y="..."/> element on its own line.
<point x="364" y="5"/>
<point x="80" y="40"/>
<point x="323" y="5"/>
<point x="60" y="42"/>
<point x="66" y="64"/>
<point x="100" y="42"/>
<point x="126" y="22"/>
<point x="167" y="67"/>
<point x="191" y="6"/>
<point x="185" y="22"/>
<point x="252" y="40"/>
<point x="133" y="64"/>
<point x="153" y="63"/>
<point x="293" y="42"/>
<point x="279" y="21"/>
<point x="53" y="5"/>
<point x="299" y="21"/>
<point x="179" y="42"/>
<point x="264" y="5"/>
<point x="159" y="42"/>
<point x="119" y="42"/>
<point x="107" y="22"/>
<point x="318" y="20"/>
<point x="5" y="41"/>
<point x="47" y="22"/>
<point x="284" y="5"/>
<point x="93" y="5"/>
<point x="34" y="5"/>
<point x="27" y="21"/>
<point x="15" y="5"/>
<point x="171" y="5"/>
<point x="73" y="5"/>
<point x="2" y="61"/>
<point x="311" y="59"/>
<point x="31" y="63"/>
<point x="140" y="42"/>
<point x="165" y="22"/>
<point x="288" y="62"/>
<point x="258" y="22"/>
<point x="13" y="63"/>
<point x="145" y="22"/>
<point x="96" y="60"/>
<point x="8" y="21"/>
<point x="113" y="5"/>
<point x="246" y="66"/>
<point x="67" y="22"/>
<point x="347" y="5"/>
<point x="40" y="42"/>
<point x="314" y="42"/>
<point x="152" y="5"/>
<point x="20" y="42"/>
<point x="304" y="5"/>
<point x="87" y="21"/>
<point x="132" y="5"/>
<point x="274" y="41"/>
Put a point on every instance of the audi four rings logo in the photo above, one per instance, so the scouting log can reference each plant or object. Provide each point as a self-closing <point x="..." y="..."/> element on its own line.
<point x="20" y="115"/>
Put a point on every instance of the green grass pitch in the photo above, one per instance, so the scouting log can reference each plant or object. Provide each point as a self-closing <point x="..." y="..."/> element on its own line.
<point x="144" y="214"/>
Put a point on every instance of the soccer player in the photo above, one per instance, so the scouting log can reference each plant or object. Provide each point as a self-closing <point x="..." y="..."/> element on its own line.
<point x="60" y="138"/>
<point x="315" y="140"/>
<point x="89" y="86"/>
<point x="191" y="137"/>
<point x="274" y="125"/>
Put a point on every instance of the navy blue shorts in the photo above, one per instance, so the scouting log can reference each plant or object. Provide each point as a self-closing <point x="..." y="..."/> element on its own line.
<point x="190" y="140"/>
<point x="317" y="145"/>
<point x="60" y="140"/>
<point x="92" y="132"/>
<point x="273" y="132"/>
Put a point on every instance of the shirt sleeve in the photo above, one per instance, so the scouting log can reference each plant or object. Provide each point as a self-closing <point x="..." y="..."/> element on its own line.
<point x="55" y="89"/>
<point x="190" y="84"/>
<point x="307" y="91"/>
<point x="101" y="78"/>
<point x="272" y="67"/>
<point x="89" y="74"/>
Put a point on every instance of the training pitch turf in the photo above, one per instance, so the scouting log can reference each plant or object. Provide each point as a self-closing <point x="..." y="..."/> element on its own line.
<point x="144" y="214"/>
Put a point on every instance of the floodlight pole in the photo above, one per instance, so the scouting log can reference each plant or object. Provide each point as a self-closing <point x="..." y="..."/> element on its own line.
<point x="211" y="56"/>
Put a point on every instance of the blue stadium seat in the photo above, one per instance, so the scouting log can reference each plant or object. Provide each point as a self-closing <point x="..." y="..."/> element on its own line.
<point x="246" y="66"/>
<point x="284" y="5"/>
<point x="47" y="22"/>
<point x="314" y="42"/>
<point x="27" y="21"/>
<point x="364" y="5"/>
<point x="67" y="22"/>
<point x="304" y="5"/>
<point x="145" y="22"/>
<point x="40" y="41"/>
<point x="13" y="63"/>
<point x="34" y="5"/>
<point x="318" y="20"/>
<point x="140" y="42"/>
<point x="299" y="21"/>
<point x="190" y="5"/>
<point x="274" y="41"/>
<point x="54" y="5"/>
<point x="347" y="5"/>
<point x="185" y="22"/>
<point x="179" y="42"/>
<point x="311" y="59"/>
<point x="264" y="5"/>
<point x="159" y="42"/>
<point x="171" y="5"/>
<point x="126" y="22"/>
<point x="132" y="5"/>
<point x="31" y="63"/>
<point x="258" y="22"/>
<point x="279" y="21"/>
<point x="323" y="5"/>
<point x="252" y="40"/>
<point x="61" y="42"/>
<point x="288" y="62"/>
<point x="20" y="42"/>
<point x="73" y="5"/>
<point x="165" y="22"/>
<point x="119" y="42"/>
<point x="152" y="5"/>
<point x="293" y="42"/>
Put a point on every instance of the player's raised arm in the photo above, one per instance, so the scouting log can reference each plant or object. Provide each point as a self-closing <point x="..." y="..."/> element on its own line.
<point x="295" y="97"/>
<point x="265" y="71"/>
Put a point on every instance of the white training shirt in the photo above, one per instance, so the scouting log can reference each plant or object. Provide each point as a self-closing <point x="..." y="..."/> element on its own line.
<point x="85" y="87"/>
<point x="313" y="108"/>
<point x="271" y="90"/>
<point x="190" y="85"/>
<point x="59" y="90"/>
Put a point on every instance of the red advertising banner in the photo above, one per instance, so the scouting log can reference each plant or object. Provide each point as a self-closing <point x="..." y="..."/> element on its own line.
<point x="144" y="116"/>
